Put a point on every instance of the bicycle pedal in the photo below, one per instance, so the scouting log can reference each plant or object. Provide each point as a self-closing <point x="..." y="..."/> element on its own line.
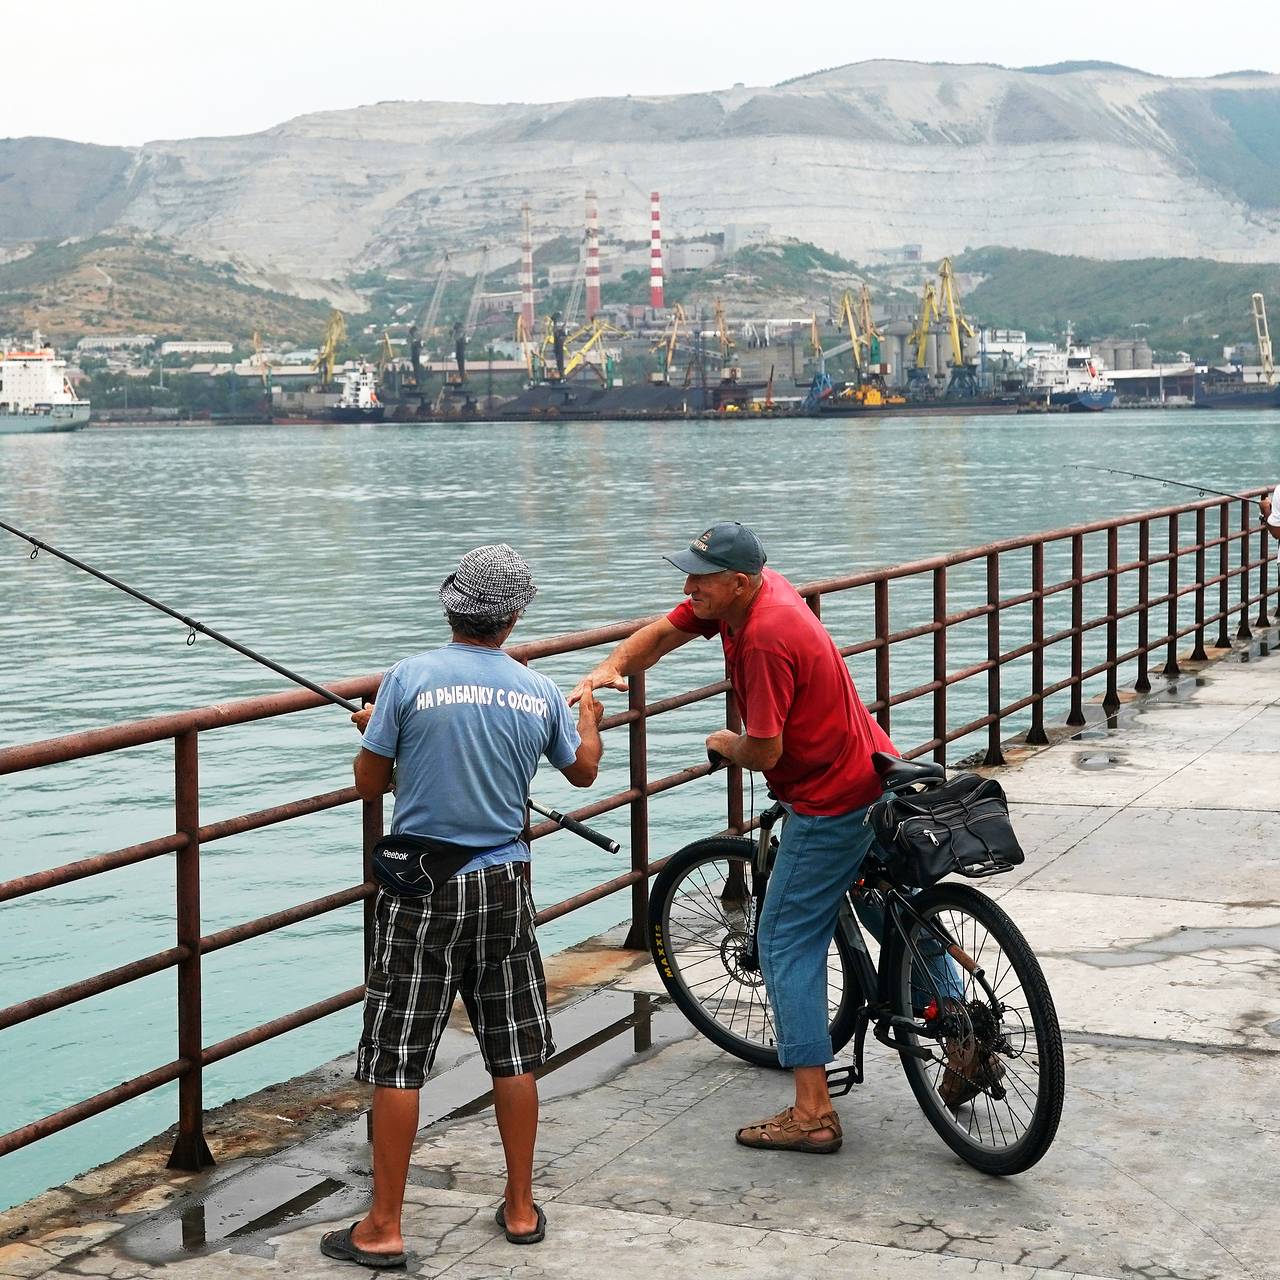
<point x="841" y="1079"/>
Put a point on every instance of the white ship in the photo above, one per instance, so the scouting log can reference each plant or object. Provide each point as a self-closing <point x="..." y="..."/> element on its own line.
<point x="359" y="400"/>
<point x="35" y="394"/>
<point x="1074" y="381"/>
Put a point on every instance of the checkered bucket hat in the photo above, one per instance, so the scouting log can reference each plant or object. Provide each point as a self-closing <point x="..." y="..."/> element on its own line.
<point x="491" y="582"/>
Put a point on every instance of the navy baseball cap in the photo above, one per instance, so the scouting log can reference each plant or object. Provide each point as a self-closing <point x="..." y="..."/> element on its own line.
<point x="727" y="545"/>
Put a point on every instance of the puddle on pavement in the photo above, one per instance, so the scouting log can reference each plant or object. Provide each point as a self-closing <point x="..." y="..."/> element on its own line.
<point x="603" y="1034"/>
<point x="1185" y="942"/>
<point x="1097" y="760"/>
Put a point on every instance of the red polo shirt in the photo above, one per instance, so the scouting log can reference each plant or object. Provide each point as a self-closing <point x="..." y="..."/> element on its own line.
<point x="791" y="680"/>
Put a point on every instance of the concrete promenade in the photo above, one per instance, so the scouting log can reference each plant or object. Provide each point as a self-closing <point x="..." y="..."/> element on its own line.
<point x="1151" y="892"/>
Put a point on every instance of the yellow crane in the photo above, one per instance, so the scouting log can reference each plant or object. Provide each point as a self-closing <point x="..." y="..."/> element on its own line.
<point x="600" y="329"/>
<point x="920" y="334"/>
<point x="264" y="369"/>
<point x="728" y="348"/>
<point x="667" y="344"/>
<point x="1264" y="338"/>
<point x="335" y="334"/>
<point x="870" y="334"/>
<point x="964" y="379"/>
<point x="386" y="353"/>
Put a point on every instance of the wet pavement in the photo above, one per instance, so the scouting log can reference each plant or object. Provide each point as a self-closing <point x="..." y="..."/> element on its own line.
<point x="1151" y="893"/>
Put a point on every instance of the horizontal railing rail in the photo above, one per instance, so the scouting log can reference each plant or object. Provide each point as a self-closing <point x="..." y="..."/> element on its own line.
<point x="1239" y="580"/>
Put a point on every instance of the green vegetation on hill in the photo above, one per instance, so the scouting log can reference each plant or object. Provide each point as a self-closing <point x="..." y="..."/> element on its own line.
<point x="119" y="283"/>
<point x="1177" y="304"/>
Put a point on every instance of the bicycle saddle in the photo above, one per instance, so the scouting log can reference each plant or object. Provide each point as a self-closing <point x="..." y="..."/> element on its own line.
<point x="895" y="772"/>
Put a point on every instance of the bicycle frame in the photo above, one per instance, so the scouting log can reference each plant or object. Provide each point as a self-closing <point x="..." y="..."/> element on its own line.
<point x="899" y="916"/>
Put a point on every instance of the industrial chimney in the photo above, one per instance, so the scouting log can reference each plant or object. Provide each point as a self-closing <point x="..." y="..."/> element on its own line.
<point x="593" y="256"/>
<point x="526" y="276"/>
<point x="655" y="253"/>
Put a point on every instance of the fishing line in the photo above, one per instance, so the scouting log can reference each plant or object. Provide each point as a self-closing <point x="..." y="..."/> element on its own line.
<point x="194" y="626"/>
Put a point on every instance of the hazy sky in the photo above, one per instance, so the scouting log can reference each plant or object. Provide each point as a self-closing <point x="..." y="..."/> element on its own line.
<point x="126" y="71"/>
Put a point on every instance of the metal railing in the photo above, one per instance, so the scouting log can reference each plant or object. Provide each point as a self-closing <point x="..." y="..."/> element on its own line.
<point x="1239" y="580"/>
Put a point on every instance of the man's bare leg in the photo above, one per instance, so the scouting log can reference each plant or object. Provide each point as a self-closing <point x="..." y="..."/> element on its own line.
<point x="813" y="1098"/>
<point x="515" y="1102"/>
<point x="395" y="1125"/>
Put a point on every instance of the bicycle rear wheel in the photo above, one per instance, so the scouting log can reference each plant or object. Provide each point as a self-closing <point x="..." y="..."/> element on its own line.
<point x="701" y="922"/>
<point x="992" y="1081"/>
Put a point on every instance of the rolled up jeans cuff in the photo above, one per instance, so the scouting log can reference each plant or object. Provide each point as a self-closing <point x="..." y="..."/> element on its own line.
<point x="810" y="1053"/>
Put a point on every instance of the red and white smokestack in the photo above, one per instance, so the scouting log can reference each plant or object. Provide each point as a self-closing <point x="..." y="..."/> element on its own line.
<point x="593" y="256"/>
<point x="526" y="276"/>
<point x="655" y="253"/>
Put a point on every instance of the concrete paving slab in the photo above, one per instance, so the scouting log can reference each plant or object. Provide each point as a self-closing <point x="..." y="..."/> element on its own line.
<point x="1090" y="775"/>
<point x="1260" y="734"/>
<point x="1183" y="724"/>
<point x="1115" y="1196"/>
<point x="1218" y="779"/>
<point x="1046" y="832"/>
<point x="1201" y="855"/>
<point x="1150" y="967"/>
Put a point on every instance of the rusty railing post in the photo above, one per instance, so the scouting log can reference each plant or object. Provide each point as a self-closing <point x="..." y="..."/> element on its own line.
<point x="1242" y="631"/>
<point x="1263" y="561"/>
<point x="940" y="664"/>
<point x="1170" y="668"/>
<point x="1143" y="683"/>
<point x="882" y="651"/>
<point x="1224" y="571"/>
<point x="1036" y="735"/>
<point x="1111" y="699"/>
<point x="638" y="763"/>
<point x="190" y="1151"/>
<point x="371" y="828"/>
<point x="994" y="755"/>
<point x="1076" y="714"/>
<point x="1198" y="654"/>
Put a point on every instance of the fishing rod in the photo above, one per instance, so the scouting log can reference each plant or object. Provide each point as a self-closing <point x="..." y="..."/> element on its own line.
<point x="1138" y="475"/>
<point x="560" y="819"/>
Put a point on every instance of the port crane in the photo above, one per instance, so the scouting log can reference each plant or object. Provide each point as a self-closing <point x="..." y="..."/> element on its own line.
<point x="335" y="334"/>
<point x="667" y="345"/>
<point x="729" y="370"/>
<point x="919" y="338"/>
<point x="462" y="332"/>
<point x="1264" y="338"/>
<point x="425" y="322"/>
<point x="964" y="374"/>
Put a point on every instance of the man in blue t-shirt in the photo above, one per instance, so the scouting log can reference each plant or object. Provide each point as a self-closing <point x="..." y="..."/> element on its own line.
<point x="465" y="727"/>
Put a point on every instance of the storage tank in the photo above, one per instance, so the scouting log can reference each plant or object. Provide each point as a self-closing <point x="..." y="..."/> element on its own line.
<point x="1122" y="356"/>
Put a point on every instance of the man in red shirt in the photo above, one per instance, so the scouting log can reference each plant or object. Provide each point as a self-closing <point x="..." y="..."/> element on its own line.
<point x="808" y="732"/>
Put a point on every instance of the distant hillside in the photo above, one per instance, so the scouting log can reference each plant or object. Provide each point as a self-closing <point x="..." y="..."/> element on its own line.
<point x="1190" y="304"/>
<point x="114" y="284"/>
<point x="1082" y="158"/>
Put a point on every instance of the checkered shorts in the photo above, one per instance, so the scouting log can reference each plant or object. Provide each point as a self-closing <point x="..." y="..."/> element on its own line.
<point x="474" y="933"/>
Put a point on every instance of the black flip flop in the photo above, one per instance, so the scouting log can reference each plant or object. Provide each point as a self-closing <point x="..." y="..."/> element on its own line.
<point x="339" y="1245"/>
<point x="536" y="1236"/>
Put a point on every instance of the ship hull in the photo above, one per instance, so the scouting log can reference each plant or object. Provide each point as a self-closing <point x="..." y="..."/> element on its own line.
<point x="1083" y="401"/>
<point x="373" y="414"/>
<point x="42" y="422"/>
<point x="1238" y="395"/>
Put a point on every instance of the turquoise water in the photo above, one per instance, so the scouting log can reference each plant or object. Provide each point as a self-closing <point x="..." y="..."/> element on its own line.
<point x="323" y="548"/>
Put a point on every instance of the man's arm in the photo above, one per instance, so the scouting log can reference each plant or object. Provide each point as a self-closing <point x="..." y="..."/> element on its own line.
<point x="373" y="773"/>
<point x="1272" y="529"/>
<point x="756" y="754"/>
<point x="637" y="652"/>
<point x="586" y="765"/>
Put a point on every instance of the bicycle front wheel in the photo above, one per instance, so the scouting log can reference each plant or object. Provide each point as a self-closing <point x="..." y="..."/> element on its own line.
<point x="701" y="929"/>
<point x="990" y="1078"/>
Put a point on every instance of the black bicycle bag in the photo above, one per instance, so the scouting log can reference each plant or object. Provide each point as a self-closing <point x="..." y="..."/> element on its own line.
<point x="962" y="825"/>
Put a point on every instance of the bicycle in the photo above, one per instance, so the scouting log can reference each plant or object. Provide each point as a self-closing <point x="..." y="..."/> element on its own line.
<point x="958" y="992"/>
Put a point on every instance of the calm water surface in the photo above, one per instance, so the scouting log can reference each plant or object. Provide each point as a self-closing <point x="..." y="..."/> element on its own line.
<point x="323" y="548"/>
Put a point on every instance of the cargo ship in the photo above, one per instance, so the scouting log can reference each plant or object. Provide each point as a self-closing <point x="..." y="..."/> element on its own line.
<point x="1075" y="381"/>
<point x="1220" y="389"/>
<point x="359" y="401"/>
<point x="35" y="394"/>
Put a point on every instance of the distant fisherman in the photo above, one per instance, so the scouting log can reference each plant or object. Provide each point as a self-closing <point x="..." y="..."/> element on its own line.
<point x="465" y="725"/>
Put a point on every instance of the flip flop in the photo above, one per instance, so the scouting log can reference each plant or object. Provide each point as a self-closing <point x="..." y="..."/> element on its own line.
<point x="339" y="1245"/>
<point x="536" y="1236"/>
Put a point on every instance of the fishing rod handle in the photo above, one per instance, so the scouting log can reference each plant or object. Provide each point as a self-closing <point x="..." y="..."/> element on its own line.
<point x="578" y="828"/>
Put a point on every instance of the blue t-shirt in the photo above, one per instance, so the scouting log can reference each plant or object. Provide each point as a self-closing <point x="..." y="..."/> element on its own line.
<point x="466" y="727"/>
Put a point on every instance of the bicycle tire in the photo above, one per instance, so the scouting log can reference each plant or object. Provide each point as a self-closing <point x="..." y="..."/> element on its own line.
<point x="1043" y="1067"/>
<point x="685" y="885"/>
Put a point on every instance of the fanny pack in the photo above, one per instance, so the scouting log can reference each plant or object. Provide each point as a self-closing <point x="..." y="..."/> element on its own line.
<point x="413" y="866"/>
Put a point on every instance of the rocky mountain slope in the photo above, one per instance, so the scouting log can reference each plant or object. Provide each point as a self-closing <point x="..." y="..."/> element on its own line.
<point x="1088" y="159"/>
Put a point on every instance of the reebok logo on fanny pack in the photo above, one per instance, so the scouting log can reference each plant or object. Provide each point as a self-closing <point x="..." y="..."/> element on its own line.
<point x="396" y="854"/>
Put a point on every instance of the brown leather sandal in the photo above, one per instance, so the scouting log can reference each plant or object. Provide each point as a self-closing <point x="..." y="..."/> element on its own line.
<point x="784" y="1132"/>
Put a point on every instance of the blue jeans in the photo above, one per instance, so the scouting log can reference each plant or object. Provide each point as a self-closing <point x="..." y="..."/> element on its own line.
<point x="818" y="859"/>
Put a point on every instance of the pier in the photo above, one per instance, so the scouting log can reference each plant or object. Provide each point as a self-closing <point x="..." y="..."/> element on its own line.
<point x="1151" y="893"/>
